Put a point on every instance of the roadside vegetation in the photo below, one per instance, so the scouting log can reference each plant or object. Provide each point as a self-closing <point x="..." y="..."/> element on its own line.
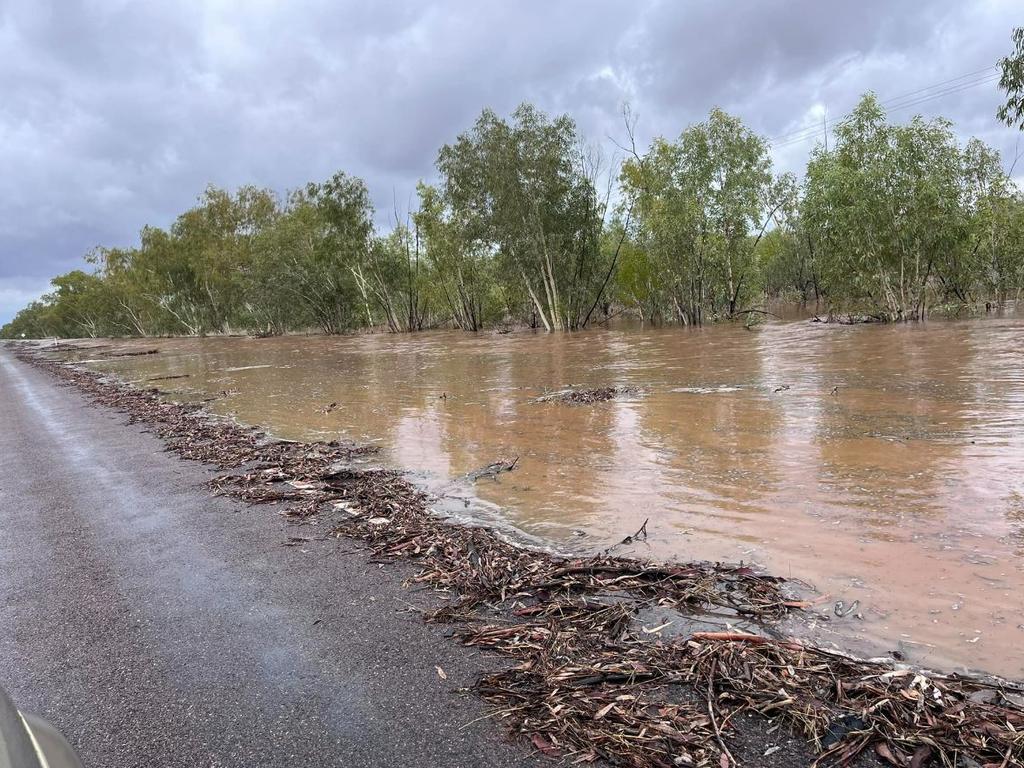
<point x="527" y="225"/>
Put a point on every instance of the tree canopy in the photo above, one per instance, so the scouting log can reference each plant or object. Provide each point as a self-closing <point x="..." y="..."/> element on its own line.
<point x="1011" y="81"/>
<point x="524" y="225"/>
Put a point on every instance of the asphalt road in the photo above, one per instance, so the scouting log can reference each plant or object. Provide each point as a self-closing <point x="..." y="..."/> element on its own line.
<point x="158" y="626"/>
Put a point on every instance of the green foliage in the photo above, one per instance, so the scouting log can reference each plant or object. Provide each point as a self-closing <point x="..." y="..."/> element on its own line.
<point x="637" y="285"/>
<point x="79" y="305"/>
<point x="320" y="251"/>
<point x="1011" y="82"/>
<point x="698" y="201"/>
<point x="892" y="208"/>
<point x="991" y="262"/>
<point x="459" y="263"/>
<point x="787" y="270"/>
<point x="523" y="194"/>
<point x="32" y="323"/>
<point x="890" y="221"/>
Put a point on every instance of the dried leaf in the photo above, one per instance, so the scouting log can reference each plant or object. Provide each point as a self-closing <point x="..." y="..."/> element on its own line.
<point x="922" y="755"/>
<point x="885" y="752"/>
<point x="657" y="629"/>
<point x="544" y="745"/>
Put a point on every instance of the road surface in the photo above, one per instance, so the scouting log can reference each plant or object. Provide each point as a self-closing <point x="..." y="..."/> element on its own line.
<point x="158" y="626"/>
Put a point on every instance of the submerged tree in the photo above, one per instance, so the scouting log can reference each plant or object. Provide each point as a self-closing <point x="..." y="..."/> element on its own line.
<point x="315" y="258"/>
<point x="191" y="278"/>
<point x="786" y="259"/>
<point x="890" y="222"/>
<point x="987" y="263"/>
<point x="460" y="261"/>
<point x="525" y="194"/>
<point x="884" y="206"/>
<point x="698" y="201"/>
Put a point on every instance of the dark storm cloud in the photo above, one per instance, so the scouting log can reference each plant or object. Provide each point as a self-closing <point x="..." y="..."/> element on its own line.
<point x="117" y="114"/>
<point x="781" y="64"/>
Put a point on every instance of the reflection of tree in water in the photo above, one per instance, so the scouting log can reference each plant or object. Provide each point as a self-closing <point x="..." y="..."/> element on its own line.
<point x="892" y="438"/>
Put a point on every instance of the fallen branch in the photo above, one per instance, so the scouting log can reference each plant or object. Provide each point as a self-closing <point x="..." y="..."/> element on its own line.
<point x="493" y="470"/>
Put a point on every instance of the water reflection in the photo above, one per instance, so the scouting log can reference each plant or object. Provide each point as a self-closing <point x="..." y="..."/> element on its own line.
<point x="881" y="463"/>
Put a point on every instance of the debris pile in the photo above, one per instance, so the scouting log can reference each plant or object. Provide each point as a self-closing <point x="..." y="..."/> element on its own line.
<point x="585" y="683"/>
<point x="493" y="469"/>
<point x="588" y="396"/>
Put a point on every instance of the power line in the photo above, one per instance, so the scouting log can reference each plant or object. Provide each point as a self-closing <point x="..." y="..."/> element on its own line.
<point x="812" y="132"/>
<point x="891" y="105"/>
<point x="957" y="89"/>
<point x="910" y="99"/>
<point x="903" y="96"/>
<point x="986" y="71"/>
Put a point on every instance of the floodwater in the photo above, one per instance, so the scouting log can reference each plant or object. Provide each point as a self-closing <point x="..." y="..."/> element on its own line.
<point x="882" y="464"/>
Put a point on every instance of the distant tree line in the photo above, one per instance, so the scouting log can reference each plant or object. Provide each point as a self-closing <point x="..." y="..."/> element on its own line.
<point x="528" y="226"/>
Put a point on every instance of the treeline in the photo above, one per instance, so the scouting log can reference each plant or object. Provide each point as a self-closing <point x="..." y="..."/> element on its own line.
<point x="526" y="225"/>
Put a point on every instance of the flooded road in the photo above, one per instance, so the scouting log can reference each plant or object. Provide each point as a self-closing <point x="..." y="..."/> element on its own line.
<point x="883" y="464"/>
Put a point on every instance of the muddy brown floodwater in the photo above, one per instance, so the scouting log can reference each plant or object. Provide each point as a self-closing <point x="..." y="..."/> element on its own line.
<point x="881" y="464"/>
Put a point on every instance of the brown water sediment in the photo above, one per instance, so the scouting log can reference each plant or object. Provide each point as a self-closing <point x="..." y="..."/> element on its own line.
<point x="587" y="684"/>
<point x="904" y="489"/>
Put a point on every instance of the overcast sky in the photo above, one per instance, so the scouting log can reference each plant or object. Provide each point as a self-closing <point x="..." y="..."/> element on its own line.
<point x="116" y="114"/>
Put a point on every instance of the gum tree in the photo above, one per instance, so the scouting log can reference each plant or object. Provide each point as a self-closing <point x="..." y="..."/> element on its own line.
<point x="315" y="255"/>
<point x="214" y="241"/>
<point x="786" y="256"/>
<point x="701" y="202"/>
<point x="523" y="192"/>
<point x="459" y="259"/>
<point x="1011" y="81"/>
<point x="884" y="207"/>
<point x="991" y="264"/>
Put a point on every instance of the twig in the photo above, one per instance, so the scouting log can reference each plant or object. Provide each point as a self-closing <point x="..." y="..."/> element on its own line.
<point x="711" y="714"/>
<point x="642" y="531"/>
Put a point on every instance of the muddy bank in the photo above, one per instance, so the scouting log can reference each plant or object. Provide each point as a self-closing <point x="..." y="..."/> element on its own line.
<point x="586" y="679"/>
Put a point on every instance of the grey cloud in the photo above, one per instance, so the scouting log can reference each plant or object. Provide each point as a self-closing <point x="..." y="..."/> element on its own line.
<point x="117" y="114"/>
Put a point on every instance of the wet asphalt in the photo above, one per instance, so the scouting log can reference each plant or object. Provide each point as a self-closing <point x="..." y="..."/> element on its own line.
<point x="156" y="625"/>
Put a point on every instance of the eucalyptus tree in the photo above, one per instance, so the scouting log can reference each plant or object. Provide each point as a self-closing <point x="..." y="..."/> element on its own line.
<point x="214" y="241"/>
<point x="343" y="205"/>
<point x="991" y="263"/>
<point x="314" y="259"/>
<point x="524" y="193"/>
<point x="31" y="322"/>
<point x="1002" y="221"/>
<point x="884" y="205"/>
<point x="1011" y="81"/>
<point x="637" y="287"/>
<point x="79" y="305"/>
<point x="891" y="221"/>
<point x="459" y="258"/>
<point x="383" y="269"/>
<point x="787" y="262"/>
<point x="701" y="202"/>
<point x="171" y="280"/>
<point x="133" y="312"/>
<point x="392" y="275"/>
